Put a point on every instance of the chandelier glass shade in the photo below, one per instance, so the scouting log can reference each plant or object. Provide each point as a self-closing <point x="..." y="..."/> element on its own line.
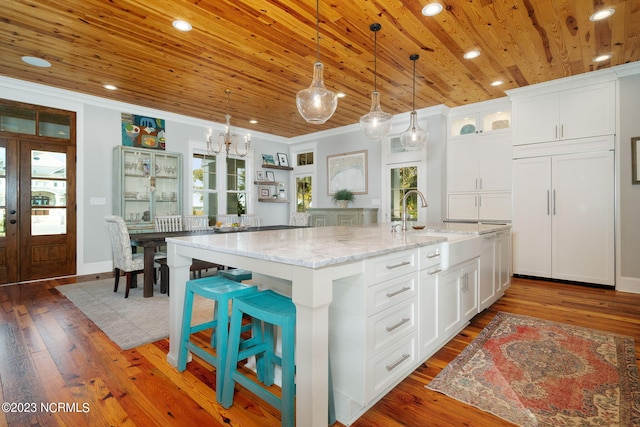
<point x="316" y="104"/>
<point x="227" y="138"/>
<point x="376" y="124"/>
<point x="414" y="137"/>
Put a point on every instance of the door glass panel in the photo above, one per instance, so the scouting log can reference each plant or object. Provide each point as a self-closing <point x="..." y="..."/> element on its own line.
<point x="48" y="221"/>
<point x="17" y="119"/>
<point x="48" y="193"/>
<point x="3" y="222"/>
<point x="402" y="180"/>
<point x="54" y="125"/>
<point x="303" y="193"/>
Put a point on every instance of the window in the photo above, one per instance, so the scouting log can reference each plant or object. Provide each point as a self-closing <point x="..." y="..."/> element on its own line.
<point x="205" y="189"/>
<point x="304" y="159"/>
<point x="236" y="186"/>
<point x="403" y="179"/>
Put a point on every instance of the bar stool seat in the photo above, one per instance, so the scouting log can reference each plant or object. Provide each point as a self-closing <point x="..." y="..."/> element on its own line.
<point x="267" y="309"/>
<point x="237" y="274"/>
<point x="222" y="291"/>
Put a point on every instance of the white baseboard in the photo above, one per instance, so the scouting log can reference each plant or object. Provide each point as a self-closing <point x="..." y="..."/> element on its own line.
<point x="628" y="284"/>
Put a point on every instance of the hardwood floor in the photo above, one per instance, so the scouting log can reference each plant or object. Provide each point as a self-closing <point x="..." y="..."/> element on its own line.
<point x="52" y="355"/>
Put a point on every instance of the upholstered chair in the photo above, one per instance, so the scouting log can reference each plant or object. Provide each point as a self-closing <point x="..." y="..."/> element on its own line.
<point x="299" y="218"/>
<point x="124" y="260"/>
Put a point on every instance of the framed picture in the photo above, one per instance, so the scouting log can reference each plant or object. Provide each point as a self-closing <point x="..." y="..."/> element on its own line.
<point x="265" y="192"/>
<point x="267" y="159"/>
<point x="635" y="160"/>
<point x="270" y="176"/>
<point x="259" y="175"/>
<point x="347" y="171"/>
<point x="283" y="160"/>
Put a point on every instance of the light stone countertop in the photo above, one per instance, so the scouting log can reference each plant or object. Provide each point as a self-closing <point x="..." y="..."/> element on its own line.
<point x="313" y="247"/>
<point x="464" y="228"/>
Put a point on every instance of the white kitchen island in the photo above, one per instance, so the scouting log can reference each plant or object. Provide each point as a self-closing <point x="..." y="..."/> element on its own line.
<point x="313" y="261"/>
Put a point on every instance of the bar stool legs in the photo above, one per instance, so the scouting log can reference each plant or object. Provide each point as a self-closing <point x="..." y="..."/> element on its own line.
<point x="222" y="291"/>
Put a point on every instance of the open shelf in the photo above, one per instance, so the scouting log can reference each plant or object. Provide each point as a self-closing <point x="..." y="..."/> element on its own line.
<point x="284" y="168"/>
<point x="272" y="200"/>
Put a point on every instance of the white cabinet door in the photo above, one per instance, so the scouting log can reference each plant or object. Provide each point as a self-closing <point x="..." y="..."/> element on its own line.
<point x="450" y="319"/>
<point x="588" y="111"/>
<point x="495" y="163"/>
<point x="503" y="261"/>
<point x="462" y="164"/>
<point x="535" y="119"/>
<point x="429" y="313"/>
<point x="462" y="207"/>
<point x="532" y="216"/>
<point x="583" y="215"/>
<point x="494" y="206"/>
<point x="469" y="290"/>
<point x="487" y="286"/>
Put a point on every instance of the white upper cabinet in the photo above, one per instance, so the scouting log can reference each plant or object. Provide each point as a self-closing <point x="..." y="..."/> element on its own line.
<point x="568" y="114"/>
<point x="483" y="118"/>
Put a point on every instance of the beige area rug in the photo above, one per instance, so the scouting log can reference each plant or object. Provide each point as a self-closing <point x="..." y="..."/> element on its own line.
<point x="133" y="321"/>
<point x="534" y="372"/>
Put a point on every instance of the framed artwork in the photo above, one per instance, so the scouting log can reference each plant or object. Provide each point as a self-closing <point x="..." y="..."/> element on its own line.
<point x="635" y="160"/>
<point x="259" y="175"/>
<point x="347" y="171"/>
<point x="267" y="159"/>
<point x="270" y="176"/>
<point x="283" y="160"/>
<point x="142" y="131"/>
<point x="265" y="192"/>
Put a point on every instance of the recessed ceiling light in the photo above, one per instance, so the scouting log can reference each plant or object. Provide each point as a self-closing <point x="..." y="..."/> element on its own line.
<point x="471" y="54"/>
<point x="602" y="14"/>
<point x="497" y="83"/>
<point x="601" y="58"/>
<point x="36" y="62"/>
<point x="253" y="121"/>
<point x="341" y="95"/>
<point x="110" y="87"/>
<point x="432" y="9"/>
<point x="181" y="25"/>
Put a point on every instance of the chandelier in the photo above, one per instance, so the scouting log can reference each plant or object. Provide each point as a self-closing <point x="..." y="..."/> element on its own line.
<point x="376" y="124"/>
<point x="227" y="138"/>
<point x="316" y="104"/>
<point x="414" y="137"/>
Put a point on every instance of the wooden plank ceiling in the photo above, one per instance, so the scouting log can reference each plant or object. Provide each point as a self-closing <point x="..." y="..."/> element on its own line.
<point x="264" y="50"/>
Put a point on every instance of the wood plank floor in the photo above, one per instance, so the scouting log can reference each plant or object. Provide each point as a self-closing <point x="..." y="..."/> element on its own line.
<point x="52" y="355"/>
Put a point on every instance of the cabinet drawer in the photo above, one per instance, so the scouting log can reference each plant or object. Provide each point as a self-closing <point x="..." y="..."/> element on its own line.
<point x="430" y="256"/>
<point x="392" y="265"/>
<point x="388" y="326"/>
<point x="390" y="366"/>
<point x="394" y="291"/>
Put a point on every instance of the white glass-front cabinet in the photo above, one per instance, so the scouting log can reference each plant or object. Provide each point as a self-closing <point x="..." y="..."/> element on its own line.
<point x="146" y="183"/>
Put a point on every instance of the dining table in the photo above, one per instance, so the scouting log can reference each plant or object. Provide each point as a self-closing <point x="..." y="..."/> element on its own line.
<point x="153" y="240"/>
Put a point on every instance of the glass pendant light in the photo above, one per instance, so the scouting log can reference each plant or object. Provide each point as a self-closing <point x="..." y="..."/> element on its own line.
<point x="414" y="137"/>
<point x="316" y="104"/>
<point x="376" y="124"/>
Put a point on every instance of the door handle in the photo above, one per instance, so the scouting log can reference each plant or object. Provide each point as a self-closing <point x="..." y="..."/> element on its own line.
<point x="13" y="221"/>
<point x="13" y="212"/>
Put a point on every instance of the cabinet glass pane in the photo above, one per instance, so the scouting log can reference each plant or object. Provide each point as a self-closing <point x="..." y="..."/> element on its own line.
<point x="17" y="119"/>
<point x="54" y="125"/>
<point x="463" y="126"/>
<point x="166" y="166"/>
<point x="496" y="121"/>
<point x="137" y="163"/>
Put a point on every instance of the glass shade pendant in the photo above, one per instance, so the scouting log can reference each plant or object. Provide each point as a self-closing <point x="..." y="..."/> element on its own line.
<point x="414" y="137"/>
<point x="316" y="104"/>
<point x="376" y="124"/>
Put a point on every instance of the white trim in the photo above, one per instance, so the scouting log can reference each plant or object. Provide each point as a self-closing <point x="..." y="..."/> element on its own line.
<point x="628" y="284"/>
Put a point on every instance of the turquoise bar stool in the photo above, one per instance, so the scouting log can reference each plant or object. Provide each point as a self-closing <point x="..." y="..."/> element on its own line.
<point x="267" y="309"/>
<point x="237" y="274"/>
<point x="222" y="291"/>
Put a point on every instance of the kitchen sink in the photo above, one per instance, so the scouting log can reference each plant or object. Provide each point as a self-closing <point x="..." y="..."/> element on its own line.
<point x="458" y="248"/>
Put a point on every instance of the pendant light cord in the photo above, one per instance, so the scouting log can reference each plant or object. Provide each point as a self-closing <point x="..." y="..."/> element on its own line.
<point x="317" y="30"/>
<point x="375" y="61"/>
<point x="414" y="58"/>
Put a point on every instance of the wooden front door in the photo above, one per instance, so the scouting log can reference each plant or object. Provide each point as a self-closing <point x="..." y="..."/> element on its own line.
<point x="37" y="205"/>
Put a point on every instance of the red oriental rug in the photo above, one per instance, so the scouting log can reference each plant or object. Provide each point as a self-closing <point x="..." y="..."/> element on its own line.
<point x="534" y="372"/>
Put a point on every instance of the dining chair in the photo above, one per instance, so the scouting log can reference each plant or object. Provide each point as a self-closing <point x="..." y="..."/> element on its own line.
<point x="169" y="223"/>
<point x="195" y="222"/>
<point x="124" y="260"/>
<point x="251" y="220"/>
<point x="299" y="218"/>
<point x="227" y="218"/>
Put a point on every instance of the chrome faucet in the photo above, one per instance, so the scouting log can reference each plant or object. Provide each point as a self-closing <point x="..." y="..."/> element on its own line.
<point x="404" y="206"/>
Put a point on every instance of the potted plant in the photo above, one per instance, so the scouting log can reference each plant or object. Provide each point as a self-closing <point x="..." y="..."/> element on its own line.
<point x="343" y="197"/>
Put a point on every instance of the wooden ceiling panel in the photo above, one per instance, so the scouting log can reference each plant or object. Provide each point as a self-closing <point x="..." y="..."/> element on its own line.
<point x="264" y="50"/>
